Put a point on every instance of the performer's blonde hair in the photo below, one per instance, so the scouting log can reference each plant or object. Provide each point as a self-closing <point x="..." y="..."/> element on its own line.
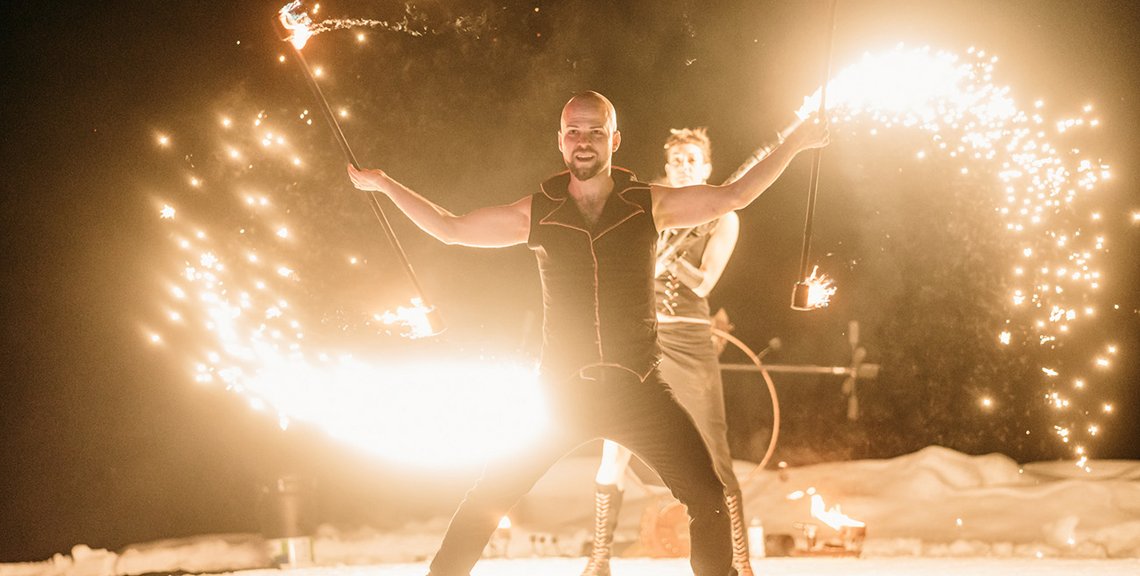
<point x="698" y="136"/>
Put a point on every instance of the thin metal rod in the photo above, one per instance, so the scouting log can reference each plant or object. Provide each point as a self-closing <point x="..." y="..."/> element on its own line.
<point x="863" y="371"/>
<point x="374" y="203"/>
<point x="813" y="182"/>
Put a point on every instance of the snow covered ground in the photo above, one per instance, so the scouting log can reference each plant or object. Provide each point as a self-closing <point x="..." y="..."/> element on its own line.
<point x="935" y="511"/>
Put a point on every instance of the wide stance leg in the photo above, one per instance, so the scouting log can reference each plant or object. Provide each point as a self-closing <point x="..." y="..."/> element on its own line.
<point x="740" y="556"/>
<point x="502" y="485"/>
<point x="607" y="504"/>
<point x="658" y="430"/>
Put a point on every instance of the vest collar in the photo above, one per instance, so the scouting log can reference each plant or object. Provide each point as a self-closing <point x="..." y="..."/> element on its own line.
<point x="617" y="209"/>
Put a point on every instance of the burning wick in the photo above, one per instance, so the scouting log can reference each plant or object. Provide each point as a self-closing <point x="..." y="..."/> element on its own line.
<point x="813" y="292"/>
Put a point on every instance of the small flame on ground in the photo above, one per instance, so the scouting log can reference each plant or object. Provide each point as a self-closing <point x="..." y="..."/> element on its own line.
<point x="833" y="517"/>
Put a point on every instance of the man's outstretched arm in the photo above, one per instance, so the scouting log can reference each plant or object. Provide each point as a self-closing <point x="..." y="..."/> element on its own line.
<point x="492" y="227"/>
<point x="695" y="205"/>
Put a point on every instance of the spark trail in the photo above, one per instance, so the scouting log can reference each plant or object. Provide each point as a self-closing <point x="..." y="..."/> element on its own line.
<point x="1040" y="188"/>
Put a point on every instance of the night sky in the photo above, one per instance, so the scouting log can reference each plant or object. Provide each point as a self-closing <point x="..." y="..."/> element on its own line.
<point x="107" y="441"/>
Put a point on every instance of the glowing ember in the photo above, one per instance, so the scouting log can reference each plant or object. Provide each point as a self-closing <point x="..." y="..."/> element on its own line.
<point x="834" y="516"/>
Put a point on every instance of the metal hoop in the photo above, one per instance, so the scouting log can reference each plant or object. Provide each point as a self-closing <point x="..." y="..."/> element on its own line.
<point x="771" y="392"/>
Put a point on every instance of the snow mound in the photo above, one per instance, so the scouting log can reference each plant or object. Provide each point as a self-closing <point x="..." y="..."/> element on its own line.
<point x="933" y="504"/>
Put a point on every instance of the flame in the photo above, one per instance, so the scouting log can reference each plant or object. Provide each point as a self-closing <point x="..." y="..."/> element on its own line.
<point x="833" y="517"/>
<point x="505" y="523"/>
<point x="820" y="289"/>
<point x="297" y="22"/>
<point x="415" y="319"/>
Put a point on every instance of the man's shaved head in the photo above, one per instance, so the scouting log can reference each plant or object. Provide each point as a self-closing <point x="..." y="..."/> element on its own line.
<point x="590" y="98"/>
<point x="588" y="135"/>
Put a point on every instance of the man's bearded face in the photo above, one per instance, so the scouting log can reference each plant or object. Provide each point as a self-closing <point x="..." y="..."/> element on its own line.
<point x="587" y="139"/>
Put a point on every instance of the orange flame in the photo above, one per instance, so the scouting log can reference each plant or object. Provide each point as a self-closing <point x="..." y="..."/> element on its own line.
<point x="833" y="517"/>
<point x="820" y="289"/>
<point x="296" y="21"/>
<point x="414" y="319"/>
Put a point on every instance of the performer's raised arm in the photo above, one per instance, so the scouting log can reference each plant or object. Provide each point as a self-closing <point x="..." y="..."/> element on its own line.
<point x="491" y="227"/>
<point x="695" y="205"/>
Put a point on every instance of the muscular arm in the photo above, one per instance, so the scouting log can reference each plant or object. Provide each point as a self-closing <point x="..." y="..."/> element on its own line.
<point x="695" y="205"/>
<point x="492" y="227"/>
<point x="719" y="248"/>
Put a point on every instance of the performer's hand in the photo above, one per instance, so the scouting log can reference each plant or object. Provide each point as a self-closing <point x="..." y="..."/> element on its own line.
<point x="812" y="133"/>
<point x="367" y="179"/>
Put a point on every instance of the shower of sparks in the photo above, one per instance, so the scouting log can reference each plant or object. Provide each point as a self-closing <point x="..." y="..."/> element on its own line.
<point x="255" y="342"/>
<point x="295" y="19"/>
<point x="820" y="289"/>
<point x="234" y="306"/>
<point x="1039" y="181"/>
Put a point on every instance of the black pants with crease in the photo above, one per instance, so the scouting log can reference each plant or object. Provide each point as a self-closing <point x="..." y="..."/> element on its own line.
<point x="612" y="403"/>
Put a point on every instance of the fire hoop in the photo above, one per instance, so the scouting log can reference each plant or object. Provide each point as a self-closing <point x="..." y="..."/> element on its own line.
<point x="771" y="392"/>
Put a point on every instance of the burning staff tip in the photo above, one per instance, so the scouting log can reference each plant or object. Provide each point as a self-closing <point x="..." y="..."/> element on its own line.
<point x="418" y="320"/>
<point x="813" y="292"/>
<point x="295" y="24"/>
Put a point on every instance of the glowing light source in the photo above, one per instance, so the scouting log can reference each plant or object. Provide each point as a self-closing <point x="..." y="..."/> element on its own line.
<point x="298" y="23"/>
<point x="834" y="516"/>
<point x="415" y="320"/>
<point x="980" y="127"/>
<point x="815" y="291"/>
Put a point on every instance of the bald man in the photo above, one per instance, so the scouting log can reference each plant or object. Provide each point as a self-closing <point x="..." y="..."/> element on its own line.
<point x="594" y="231"/>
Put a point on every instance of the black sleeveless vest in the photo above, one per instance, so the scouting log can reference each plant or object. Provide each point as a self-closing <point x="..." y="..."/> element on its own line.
<point x="597" y="284"/>
<point x="674" y="298"/>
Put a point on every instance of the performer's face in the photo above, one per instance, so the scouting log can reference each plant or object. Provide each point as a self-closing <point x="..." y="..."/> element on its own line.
<point x="588" y="138"/>
<point x="686" y="165"/>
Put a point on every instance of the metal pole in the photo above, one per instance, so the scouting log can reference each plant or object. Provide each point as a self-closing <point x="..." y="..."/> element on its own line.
<point x="799" y="295"/>
<point x="434" y="318"/>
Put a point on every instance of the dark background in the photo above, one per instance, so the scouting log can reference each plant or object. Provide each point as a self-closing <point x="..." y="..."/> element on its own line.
<point x="106" y="442"/>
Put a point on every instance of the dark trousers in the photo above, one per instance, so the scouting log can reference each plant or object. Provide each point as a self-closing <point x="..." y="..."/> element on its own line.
<point x="612" y="403"/>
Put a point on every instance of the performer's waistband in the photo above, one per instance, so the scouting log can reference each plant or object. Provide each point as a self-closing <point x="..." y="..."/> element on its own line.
<point x="667" y="319"/>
